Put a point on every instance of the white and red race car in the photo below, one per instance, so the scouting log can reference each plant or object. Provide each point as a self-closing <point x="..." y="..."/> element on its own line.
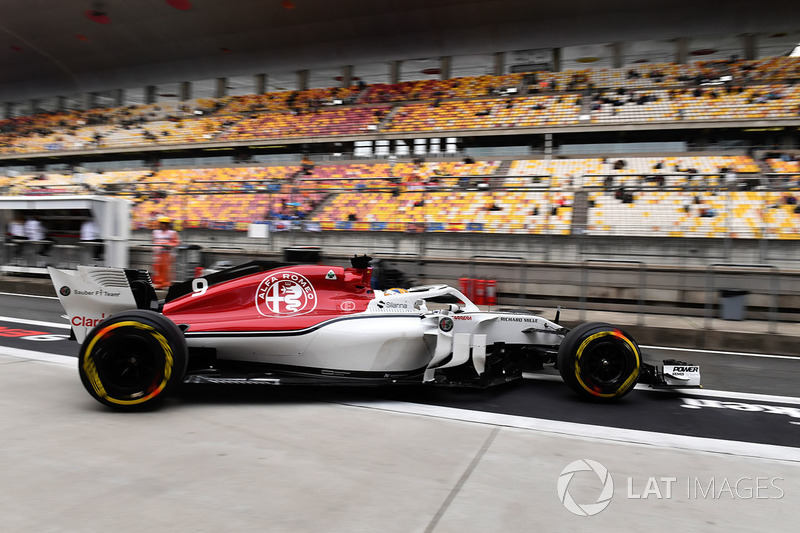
<point x="274" y="324"/>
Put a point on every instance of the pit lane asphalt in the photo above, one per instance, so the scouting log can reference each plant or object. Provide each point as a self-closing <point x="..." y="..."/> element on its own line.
<point x="751" y="408"/>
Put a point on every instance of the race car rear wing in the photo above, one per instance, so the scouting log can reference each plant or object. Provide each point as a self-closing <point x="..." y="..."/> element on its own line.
<point x="90" y="294"/>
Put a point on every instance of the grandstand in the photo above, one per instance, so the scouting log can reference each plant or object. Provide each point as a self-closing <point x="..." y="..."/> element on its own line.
<point x="654" y="196"/>
<point x="694" y="137"/>
<point x="612" y="97"/>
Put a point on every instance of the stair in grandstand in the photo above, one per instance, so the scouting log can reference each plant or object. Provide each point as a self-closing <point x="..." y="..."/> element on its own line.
<point x="586" y="107"/>
<point x="503" y="169"/>
<point x="580" y="212"/>
<point x="223" y="129"/>
<point x="763" y="167"/>
<point x="320" y="207"/>
<point x="385" y="121"/>
<point x="364" y="92"/>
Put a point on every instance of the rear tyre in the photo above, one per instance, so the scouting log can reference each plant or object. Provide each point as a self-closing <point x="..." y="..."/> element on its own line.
<point x="599" y="361"/>
<point x="132" y="360"/>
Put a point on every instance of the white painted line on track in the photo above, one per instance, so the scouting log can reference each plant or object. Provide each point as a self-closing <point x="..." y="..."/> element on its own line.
<point x="61" y="325"/>
<point x="42" y="357"/>
<point x="707" y="393"/>
<point x="718" y="352"/>
<point x="29" y="295"/>
<point x="599" y="433"/>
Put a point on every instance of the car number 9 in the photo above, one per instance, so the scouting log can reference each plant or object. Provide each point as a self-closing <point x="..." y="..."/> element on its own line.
<point x="199" y="286"/>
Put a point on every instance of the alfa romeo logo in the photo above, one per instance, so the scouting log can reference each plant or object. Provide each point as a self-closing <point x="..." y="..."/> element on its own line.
<point x="586" y="509"/>
<point x="64" y="291"/>
<point x="285" y="294"/>
<point x="446" y="324"/>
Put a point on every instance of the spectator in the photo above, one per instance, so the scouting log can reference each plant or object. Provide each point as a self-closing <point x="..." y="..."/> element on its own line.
<point x="165" y="240"/>
<point x="493" y="206"/>
<point x="730" y="179"/>
<point x="16" y="234"/>
<point x="90" y="237"/>
<point x="35" y="231"/>
<point x="307" y="165"/>
<point x="686" y="204"/>
<point x="706" y="211"/>
<point x="16" y="229"/>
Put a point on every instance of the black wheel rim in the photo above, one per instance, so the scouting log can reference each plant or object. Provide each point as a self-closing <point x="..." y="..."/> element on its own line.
<point x="129" y="365"/>
<point x="605" y="365"/>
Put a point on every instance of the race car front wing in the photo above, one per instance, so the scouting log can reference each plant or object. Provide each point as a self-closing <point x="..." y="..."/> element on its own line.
<point x="672" y="374"/>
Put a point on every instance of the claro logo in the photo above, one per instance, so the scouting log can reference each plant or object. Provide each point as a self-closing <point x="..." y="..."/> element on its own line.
<point x="86" y="321"/>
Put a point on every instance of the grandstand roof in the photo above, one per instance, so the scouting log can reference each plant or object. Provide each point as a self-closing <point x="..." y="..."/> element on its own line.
<point x="51" y="47"/>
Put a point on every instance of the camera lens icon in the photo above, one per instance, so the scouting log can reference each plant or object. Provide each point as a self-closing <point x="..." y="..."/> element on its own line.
<point x="586" y="509"/>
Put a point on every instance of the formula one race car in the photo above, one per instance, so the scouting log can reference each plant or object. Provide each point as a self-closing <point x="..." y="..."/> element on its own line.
<point x="274" y="324"/>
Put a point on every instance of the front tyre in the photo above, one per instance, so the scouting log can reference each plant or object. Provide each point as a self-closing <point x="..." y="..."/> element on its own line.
<point x="131" y="360"/>
<point x="599" y="361"/>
